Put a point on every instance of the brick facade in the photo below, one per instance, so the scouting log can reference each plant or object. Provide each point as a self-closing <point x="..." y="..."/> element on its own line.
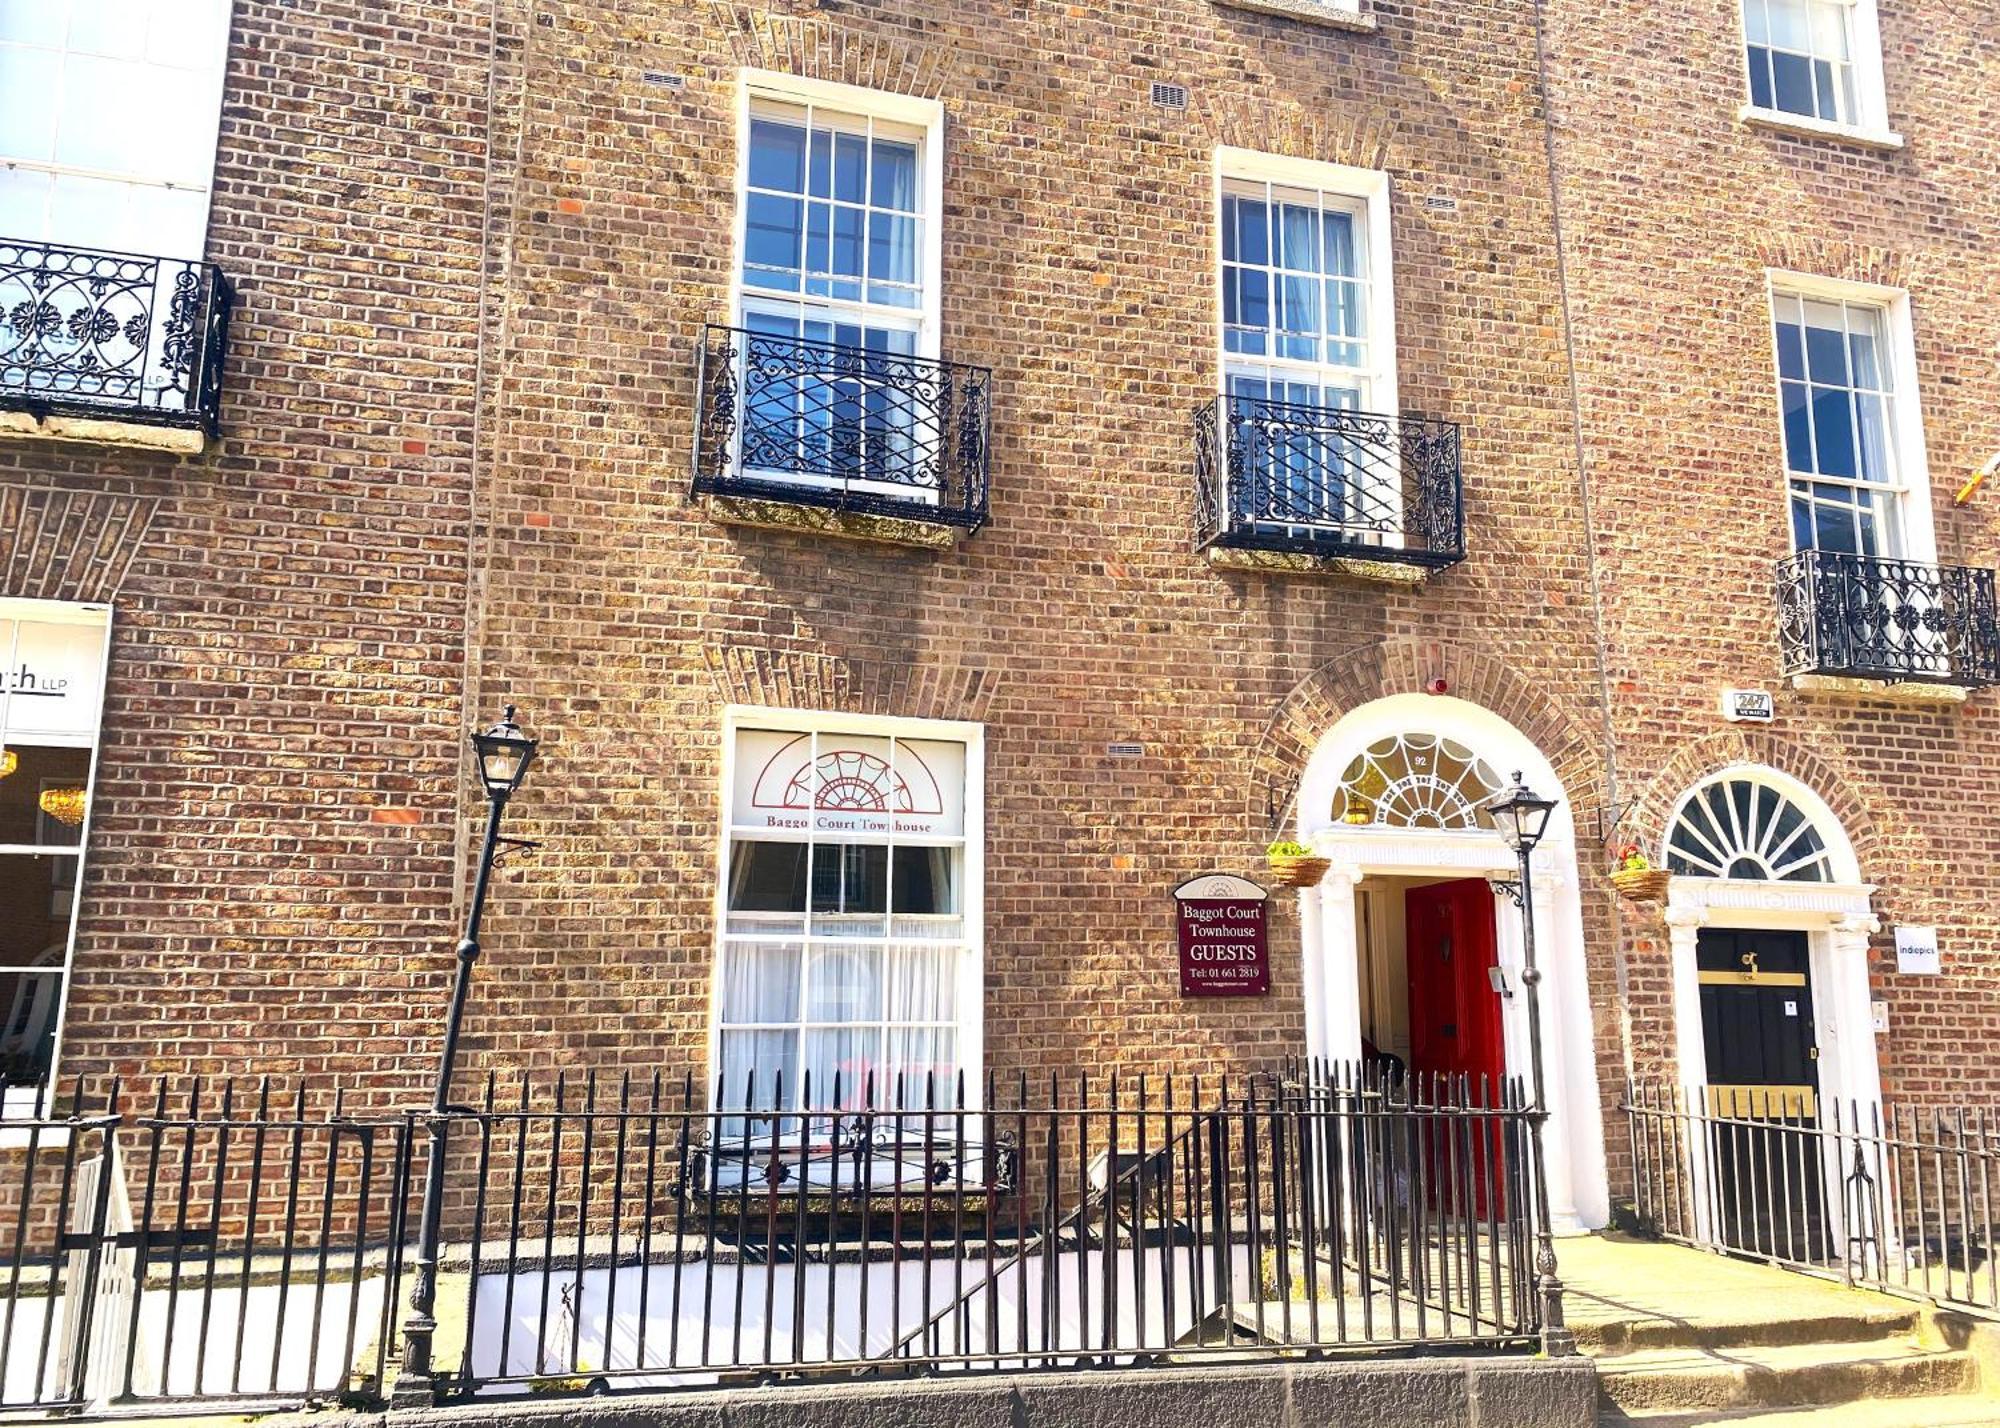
<point x="474" y="254"/>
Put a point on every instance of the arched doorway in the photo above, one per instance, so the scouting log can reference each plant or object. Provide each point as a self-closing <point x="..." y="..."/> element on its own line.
<point x="1768" y="923"/>
<point x="1409" y="951"/>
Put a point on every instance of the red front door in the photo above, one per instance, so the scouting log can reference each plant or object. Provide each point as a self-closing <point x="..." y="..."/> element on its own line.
<point x="1454" y="1012"/>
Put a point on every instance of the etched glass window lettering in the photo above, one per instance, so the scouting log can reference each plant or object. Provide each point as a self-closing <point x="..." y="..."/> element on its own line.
<point x="1736" y="827"/>
<point x="1837" y="393"/>
<point x="1416" y="780"/>
<point x="833" y="267"/>
<point x="1801" y="57"/>
<point x="845" y="928"/>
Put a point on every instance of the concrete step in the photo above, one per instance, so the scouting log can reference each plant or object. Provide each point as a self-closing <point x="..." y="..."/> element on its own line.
<point x="1957" y="1411"/>
<point x="1788" y="1375"/>
<point x="1719" y="1329"/>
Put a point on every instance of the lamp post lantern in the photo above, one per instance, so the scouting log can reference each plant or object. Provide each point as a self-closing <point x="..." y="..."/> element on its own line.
<point x="1522" y="817"/>
<point x="503" y="753"/>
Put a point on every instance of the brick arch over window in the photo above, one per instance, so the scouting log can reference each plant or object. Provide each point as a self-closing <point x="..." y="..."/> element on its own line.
<point x="1645" y="821"/>
<point x="1375" y="671"/>
<point x="815" y="47"/>
<point x="1851" y="262"/>
<point x="829" y="684"/>
<point x="1295" y="131"/>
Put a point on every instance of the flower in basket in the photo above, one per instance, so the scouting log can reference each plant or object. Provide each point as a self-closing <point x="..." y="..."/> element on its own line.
<point x="1286" y="848"/>
<point x="1631" y="860"/>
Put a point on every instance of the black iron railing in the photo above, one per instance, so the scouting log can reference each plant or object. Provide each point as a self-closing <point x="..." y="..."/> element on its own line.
<point x="113" y="336"/>
<point x="1869" y="618"/>
<point x="844" y="428"/>
<point x="1308" y="480"/>
<point x="232" y="1242"/>
<point x="1898" y="1198"/>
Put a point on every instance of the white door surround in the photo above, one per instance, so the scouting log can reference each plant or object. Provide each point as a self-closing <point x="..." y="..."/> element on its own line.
<point x="1579" y="1196"/>
<point x="1837" y="917"/>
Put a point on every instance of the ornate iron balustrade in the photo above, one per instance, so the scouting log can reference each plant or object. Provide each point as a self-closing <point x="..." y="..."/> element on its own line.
<point x="1867" y="618"/>
<point x="112" y="336"/>
<point x="1308" y="480"/>
<point x="846" y="428"/>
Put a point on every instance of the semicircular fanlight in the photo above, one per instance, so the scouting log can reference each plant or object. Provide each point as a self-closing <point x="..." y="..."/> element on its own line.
<point x="1738" y="827"/>
<point x="1416" y="780"/>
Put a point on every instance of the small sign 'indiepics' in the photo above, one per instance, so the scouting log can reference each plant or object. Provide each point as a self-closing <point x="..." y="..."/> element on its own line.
<point x="1225" y="951"/>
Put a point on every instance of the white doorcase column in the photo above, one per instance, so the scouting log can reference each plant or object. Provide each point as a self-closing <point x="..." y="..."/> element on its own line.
<point x="1339" y="966"/>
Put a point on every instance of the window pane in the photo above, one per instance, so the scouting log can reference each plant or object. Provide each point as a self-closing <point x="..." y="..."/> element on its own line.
<point x="844" y="984"/>
<point x="1789" y="27"/>
<point x="895" y="176"/>
<point x="40" y="802"/>
<point x="926" y="881"/>
<point x="1791" y="350"/>
<point x="767" y="877"/>
<point x="1792" y="83"/>
<point x="1833" y="433"/>
<point x="31" y="1002"/>
<point x="1342" y="255"/>
<point x="1760" y="77"/>
<point x="777" y="156"/>
<point x="846" y="251"/>
<point x="1873" y="436"/>
<point x="37" y="891"/>
<point x="1299" y="239"/>
<point x="760" y="982"/>
<point x="923" y="984"/>
<point x="850" y="878"/>
<point x="924" y="1061"/>
<point x="1829" y="30"/>
<point x="892" y="248"/>
<point x="841" y="1065"/>
<point x="1252" y="235"/>
<point x="773" y="239"/>
<point x="30" y="81"/>
<point x="750" y="1065"/>
<point x="1826" y="342"/>
<point x="1826" y="106"/>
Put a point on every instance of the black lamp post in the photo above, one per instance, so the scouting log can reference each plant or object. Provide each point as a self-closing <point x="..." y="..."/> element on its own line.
<point x="504" y="753"/>
<point x="1522" y="817"/>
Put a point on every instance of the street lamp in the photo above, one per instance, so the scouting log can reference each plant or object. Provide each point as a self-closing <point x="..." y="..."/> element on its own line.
<point x="1522" y="816"/>
<point x="503" y="753"/>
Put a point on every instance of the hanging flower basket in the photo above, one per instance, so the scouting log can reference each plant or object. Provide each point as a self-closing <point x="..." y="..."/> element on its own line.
<point x="1642" y="884"/>
<point x="1298" y="870"/>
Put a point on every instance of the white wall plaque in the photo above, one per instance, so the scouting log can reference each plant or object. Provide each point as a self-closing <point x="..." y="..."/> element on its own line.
<point x="1917" y="952"/>
<point x="1748" y="706"/>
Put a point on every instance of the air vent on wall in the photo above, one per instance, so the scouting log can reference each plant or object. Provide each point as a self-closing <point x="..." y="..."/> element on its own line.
<point x="1170" y="96"/>
<point x="1126" y="751"/>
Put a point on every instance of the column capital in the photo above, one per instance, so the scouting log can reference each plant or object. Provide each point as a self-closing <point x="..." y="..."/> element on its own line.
<point x="1686" y="917"/>
<point x="1856" y="927"/>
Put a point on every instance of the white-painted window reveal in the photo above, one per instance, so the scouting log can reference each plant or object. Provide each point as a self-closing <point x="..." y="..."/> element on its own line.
<point x="1416" y="780"/>
<point x="109" y="111"/>
<point x="50" y="699"/>
<point x="1738" y="827"/>
<point x="847" y="945"/>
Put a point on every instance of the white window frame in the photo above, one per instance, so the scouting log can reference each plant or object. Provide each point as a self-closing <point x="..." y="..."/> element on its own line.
<point x="1913" y="489"/>
<point x="852" y="100"/>
<point x="132" y="178"/>
<point x="1368" y="187"/>
<point x="23" y="1101"/>
<point x="971" y="988"/>
<point x="1864" y="40"/>
<point x="856" y="102"/>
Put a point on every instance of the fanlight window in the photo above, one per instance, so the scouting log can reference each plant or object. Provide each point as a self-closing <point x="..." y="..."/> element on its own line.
<point x="1416" y="781"/>
<point x="1740" y="828"/>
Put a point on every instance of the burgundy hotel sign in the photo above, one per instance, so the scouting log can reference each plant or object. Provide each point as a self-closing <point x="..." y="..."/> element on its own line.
<point x="1224" y="950"/>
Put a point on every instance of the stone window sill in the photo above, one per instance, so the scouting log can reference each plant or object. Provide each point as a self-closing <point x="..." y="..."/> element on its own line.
<point x="1800" y="127"/>
<point x="1313" y="12"/>
<point x="1903" y="691"/>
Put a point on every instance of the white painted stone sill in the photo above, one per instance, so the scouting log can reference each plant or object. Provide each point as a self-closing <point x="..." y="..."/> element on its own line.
<point x="1314" y="12"/>
<point x="1799" y="126"/>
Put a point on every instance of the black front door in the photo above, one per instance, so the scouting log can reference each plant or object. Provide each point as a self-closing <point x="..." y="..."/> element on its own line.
<point x="1763" y="1092"/>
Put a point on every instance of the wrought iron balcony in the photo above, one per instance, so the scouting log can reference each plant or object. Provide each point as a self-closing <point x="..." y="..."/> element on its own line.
<point x="1325" y="481"/>
<point x="111" y="336"/>
<point x="847" y="429"/>
<point x="1866" y="618"/>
